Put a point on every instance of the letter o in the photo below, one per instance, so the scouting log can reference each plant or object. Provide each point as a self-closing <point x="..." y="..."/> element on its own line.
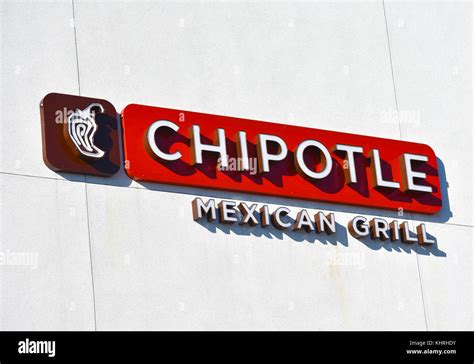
<point x="300" y="164"/>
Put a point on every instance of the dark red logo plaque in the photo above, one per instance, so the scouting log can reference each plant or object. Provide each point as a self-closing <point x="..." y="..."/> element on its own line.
<point x="80" y="135"/>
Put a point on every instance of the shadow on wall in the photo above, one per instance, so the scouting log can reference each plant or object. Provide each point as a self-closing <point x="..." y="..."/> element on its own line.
<point x="404" y="247"/>
<point x="445" y="213"/>
<point x="120" y="179"/>
<point x="340" y="237"/>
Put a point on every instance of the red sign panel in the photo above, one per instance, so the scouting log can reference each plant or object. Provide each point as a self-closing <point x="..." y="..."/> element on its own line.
<point x="219" y="152"/>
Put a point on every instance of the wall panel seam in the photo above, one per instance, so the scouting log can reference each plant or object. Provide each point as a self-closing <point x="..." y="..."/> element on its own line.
<point x="85" y="177"/>
<point x="411" y="217"/>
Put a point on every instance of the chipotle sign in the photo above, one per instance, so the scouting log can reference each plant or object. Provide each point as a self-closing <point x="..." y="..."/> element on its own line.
<point x="219" y="152"/>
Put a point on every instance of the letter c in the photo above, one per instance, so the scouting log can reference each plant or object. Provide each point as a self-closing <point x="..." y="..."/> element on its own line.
<point x="151" y="140"/>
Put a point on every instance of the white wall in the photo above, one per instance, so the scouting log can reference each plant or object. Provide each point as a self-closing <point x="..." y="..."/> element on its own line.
<point x="115" y="254"/>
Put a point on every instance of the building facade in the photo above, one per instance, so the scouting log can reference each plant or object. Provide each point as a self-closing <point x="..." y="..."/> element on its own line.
<point x="90" y="253"/>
